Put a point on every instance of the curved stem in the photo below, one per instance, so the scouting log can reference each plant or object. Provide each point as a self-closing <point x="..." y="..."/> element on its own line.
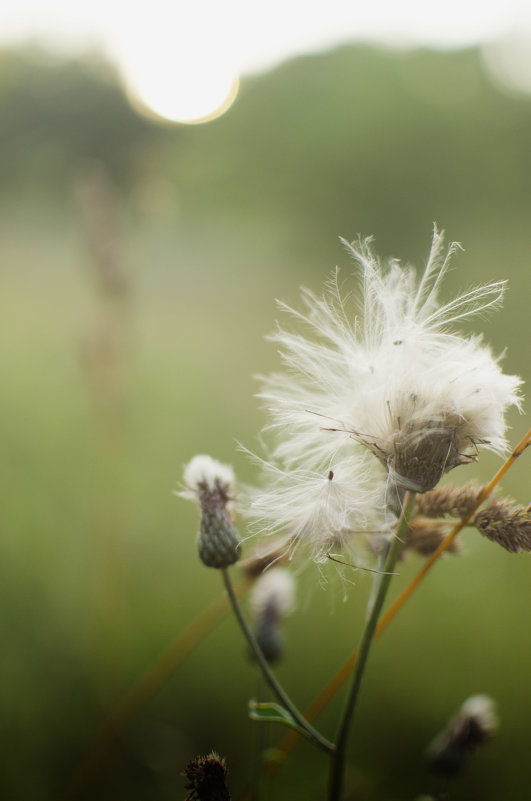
<point x="338" y="760"/>
<point x="309" y="731"/>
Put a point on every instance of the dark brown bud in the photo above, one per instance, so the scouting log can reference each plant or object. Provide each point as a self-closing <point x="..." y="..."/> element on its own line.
<point x="207" y="777"/>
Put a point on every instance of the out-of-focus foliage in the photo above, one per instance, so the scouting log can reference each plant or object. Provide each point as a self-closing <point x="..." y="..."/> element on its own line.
<point x="106" y="394"/>
<point x="56" y="114"/>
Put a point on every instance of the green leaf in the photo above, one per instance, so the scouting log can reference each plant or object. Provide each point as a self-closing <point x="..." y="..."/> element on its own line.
<point x="274" y="713"/>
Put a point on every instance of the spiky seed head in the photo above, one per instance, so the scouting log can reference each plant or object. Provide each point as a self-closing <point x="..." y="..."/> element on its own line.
<point x="207" y="779"/>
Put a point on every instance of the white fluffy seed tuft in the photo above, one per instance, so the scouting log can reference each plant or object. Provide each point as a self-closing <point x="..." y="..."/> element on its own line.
<point x="204" y="473"/>
<point x="274" y="592"/>
<point x="378" y="373"/>
<point x="482" y="709"/>
<point x="388" y="372"/>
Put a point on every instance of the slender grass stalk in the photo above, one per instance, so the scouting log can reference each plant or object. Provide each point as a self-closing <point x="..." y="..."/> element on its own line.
<point x="103" y="355"/>
<point x="337" y="767"/>
<point x="312" y="734"/>
<point x="289" y="742"/>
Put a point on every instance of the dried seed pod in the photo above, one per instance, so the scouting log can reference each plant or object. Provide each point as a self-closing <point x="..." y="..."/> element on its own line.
<point x="506" y="524"/>
<point x="424" y="536"/>
<point x="453" y="501"/>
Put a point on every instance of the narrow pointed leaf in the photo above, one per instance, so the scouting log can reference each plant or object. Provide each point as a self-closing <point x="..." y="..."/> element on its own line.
<point x="273" y="713"/>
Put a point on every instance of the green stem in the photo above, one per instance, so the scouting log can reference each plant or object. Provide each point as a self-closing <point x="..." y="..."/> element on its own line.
<point x="260" y="742"/>
<point x="338" y="760"/>
<point x="305" y="726"/>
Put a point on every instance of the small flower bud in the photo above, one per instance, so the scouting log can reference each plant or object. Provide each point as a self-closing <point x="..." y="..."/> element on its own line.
<point x="212" y="484"/>
<point x="271" y="639"/>
<point x="508" y="525"/>
<point x="273" y="598"/>
<point x="473" y="725"/>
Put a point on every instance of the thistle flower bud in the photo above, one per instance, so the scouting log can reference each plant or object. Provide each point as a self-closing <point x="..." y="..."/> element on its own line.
<point x="272" y="598"/>
<point x="212" y="485"/>
<point x="473" y="725"/>
<point x="506" y="524"/>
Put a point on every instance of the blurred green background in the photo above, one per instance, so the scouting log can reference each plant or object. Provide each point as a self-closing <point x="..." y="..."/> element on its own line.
<point x="139" y="267"/>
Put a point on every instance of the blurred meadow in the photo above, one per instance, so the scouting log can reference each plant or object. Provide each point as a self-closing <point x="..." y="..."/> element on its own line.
<point x="140" y="262"/>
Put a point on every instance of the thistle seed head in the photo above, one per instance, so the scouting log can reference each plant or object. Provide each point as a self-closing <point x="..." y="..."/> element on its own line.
<point x="379" y="372"/>
<point x="383" y="369"/>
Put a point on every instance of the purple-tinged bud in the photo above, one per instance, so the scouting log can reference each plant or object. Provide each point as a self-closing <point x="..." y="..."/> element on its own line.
<point x="212" y="485"/>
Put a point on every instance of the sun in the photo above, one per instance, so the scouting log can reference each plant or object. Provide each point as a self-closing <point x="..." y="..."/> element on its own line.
<point x="179" y="81"/>
<point x="197" y="94"/>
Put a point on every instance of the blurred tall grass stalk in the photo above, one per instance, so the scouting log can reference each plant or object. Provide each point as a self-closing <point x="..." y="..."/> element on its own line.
<point x="105" y="352"/>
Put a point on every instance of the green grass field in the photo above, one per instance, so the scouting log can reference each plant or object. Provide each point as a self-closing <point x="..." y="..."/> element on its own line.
<point x="99" y="571"/>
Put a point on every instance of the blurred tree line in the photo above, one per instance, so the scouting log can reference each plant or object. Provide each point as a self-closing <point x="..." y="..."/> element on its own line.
<point x="57" y="114"/>
<point x="364" y="135"/>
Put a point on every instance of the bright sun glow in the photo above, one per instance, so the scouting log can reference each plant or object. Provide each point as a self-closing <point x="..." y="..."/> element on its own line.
<point x="180" y="92"/>
<point x="181" y="71"/>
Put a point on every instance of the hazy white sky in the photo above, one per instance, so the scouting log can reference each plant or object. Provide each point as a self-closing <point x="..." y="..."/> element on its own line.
<point x="209" y="42"/>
